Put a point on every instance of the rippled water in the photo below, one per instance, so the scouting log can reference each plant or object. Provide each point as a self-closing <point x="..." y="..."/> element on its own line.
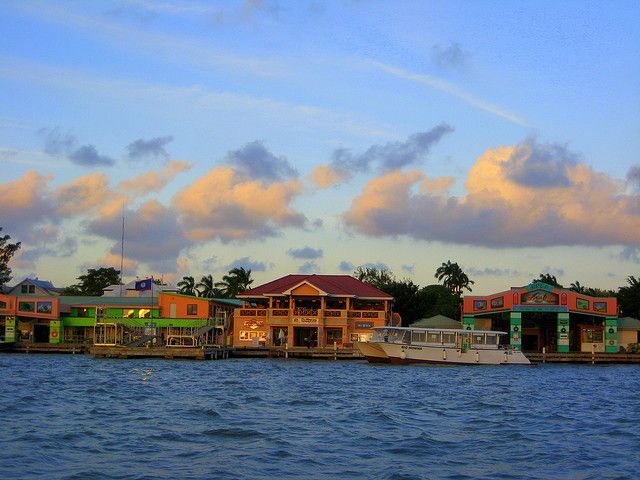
<point x="76" y="417"/>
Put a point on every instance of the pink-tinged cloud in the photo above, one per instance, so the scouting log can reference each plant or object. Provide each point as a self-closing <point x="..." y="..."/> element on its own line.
<point x="325" y="176"/>
<point x="155" y="181"/>
<point x="81" y="194"/>
<point x="527" y="195"/>
<point x="226" y="204"/>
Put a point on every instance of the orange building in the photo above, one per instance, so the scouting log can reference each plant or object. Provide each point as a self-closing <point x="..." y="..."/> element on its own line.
<point x="543" y="316"/>
<point x="310" y="310"/>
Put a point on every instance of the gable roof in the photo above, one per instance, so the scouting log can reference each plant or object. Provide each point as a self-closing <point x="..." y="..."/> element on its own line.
<point x="437" y="321"/>
<point x="334" y="285"/>
<point x="628" y="323"/>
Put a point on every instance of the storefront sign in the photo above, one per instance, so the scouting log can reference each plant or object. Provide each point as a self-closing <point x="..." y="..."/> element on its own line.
<point x="361" y="325"/>
<point x="600" y="306"/>
<point x="304" y="321"/>
<point x="582" y="304"/>
<point x="539" y="297"/>
<point x="479" y="304"/>
<point x="497" y="302"/>
<point x="253" y="324"/>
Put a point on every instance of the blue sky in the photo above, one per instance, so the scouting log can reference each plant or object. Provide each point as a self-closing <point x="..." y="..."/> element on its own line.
<point x="318" y="136"/>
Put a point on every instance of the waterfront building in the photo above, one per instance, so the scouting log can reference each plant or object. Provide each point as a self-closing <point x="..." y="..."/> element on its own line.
<point x="540" y="316"/>
<point x="34" y="287"/>
<point x="310" y="310"/>
<point x="113" y="320"/>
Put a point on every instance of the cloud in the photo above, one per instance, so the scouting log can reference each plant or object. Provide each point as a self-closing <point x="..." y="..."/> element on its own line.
<point x="58" y="143"/>
<point x="247" y="263"/>
<point x="450" y="89"/>
<point x="259" y="163"/>
<point x="306" y="253"/>
<point x="633" y="177"/>
<point x="153" y="147"/>
<point x="346" y="266"/>
<point x="410" y="269"/>
<point x="223" y="204"/>
<point x="391" y="156"/>
<point x="376" y="265"/>
<point x="630" y="254"/>
<point x="450" y="56"/>
<point x="495" y="272"/>
<point x="309" y="267"/>
<point x="152" y="234"/>
<point x="88" y="156"/>
<point x="502" y="208"/>
<point x="155" y="181"/>
<point x="81" y="194"/>
<point x="546" y="165"/>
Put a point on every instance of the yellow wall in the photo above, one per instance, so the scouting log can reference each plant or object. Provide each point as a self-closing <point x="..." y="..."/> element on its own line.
<point x="626" y="337"/>
<point x="305" y="290"/>
<point x="482" y="323"/>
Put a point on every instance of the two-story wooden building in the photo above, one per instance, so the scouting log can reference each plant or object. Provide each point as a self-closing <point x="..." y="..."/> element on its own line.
<point x="310" y="310"/>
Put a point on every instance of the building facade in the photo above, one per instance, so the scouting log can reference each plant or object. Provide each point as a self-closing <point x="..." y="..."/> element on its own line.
<point x="541" y="316"/>
<point x="311" y="311"/>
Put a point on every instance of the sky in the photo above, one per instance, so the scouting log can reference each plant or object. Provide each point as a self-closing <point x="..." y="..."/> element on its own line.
<point x="318" y="136"/>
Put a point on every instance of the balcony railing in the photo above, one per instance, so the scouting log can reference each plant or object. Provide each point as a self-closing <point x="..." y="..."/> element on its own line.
<point x="280" y="313"/>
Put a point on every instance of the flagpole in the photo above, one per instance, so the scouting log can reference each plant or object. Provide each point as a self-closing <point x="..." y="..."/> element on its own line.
<point x="122" y="250"/>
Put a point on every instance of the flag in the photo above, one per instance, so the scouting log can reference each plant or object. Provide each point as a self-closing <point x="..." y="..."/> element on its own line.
<point x="144" y="284"/>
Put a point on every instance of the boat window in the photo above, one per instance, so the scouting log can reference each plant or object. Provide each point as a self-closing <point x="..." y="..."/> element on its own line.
<point x="417" y="337"/>
<point x="478" y="338"/>
<point x="433" y="337"/>
<point x="449" y="338"/>
<point x="407" y="337"/>
<point x="492" y="339"/>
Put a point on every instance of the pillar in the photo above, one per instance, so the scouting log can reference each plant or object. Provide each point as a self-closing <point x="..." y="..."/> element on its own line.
<point x="515" y="330"/>
<point x="563" y="332"/>
<point x="468" y="323"/>
<point x="10" y="329"/>
<point x="55" y="331"/>
<point x="611" y="335"/>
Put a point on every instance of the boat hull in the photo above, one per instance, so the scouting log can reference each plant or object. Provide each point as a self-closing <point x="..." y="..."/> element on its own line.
<point x="400" y="353"/>
<point x="372" y="352"/>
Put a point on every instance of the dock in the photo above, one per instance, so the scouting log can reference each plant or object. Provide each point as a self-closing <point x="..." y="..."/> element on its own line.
<point x="325" y="353"/>
<point x="583" y="357"/>
<point x="188" y="353"/>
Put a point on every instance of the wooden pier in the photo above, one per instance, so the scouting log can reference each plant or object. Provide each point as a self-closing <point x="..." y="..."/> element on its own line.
<point x="191" y="353"/>
<point x="583" y="357"/>
<point x="28" y="347"/>
<point x="325" y="353"/>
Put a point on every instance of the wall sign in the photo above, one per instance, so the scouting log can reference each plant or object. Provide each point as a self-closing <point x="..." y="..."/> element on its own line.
<point x="600" y="306"/>
<point x="497" y="302"/>
<point x="304" y="321"/>
<point x="253" y="324"/>
<point x="479" y="304"/>
<point x="360" y="325"/>
<point x="539" y="297"/>
<point x="582" y="304"/>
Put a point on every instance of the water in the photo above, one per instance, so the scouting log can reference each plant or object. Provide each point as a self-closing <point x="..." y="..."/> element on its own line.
<point x="75" y="417"/>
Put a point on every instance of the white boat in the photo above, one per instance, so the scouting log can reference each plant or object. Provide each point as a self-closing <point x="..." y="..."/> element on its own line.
<point x="432" y="345"/>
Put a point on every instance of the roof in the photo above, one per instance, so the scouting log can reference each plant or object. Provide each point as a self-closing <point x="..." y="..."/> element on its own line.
<point x="329" y="284"/>
<point x="46" y="284"/>
<point x="628" y="323"/>
<point x="109" y="301"/>
<point x="234" y="302"/>
<point x="437" y="321"/>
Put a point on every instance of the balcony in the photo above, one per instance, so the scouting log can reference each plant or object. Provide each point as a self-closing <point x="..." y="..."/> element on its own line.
<point x="282" y="314"/>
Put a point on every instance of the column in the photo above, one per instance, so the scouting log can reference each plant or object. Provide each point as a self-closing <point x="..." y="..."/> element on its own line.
<point x="55" y="331"/>
<point x="468" y="323"/>
<point x="611" y="335"/>
<point x="10" y="329"/>
<point x="563" y="332"/>
<point x="515" y="330"/>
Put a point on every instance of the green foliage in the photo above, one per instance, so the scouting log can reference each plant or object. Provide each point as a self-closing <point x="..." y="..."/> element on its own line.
<point x="187" y="286"/>
<point x="7" y="250"/>
<point x="439" y="300"/>
<point x="377" y="277"/>
<point x="633" y="348"/>
<point x="549" y="280"/>
<point x="94" y="281"/>
<point x="452" y="277"/>
<point x="235" y="282"/>
<point x="629" y="298"/>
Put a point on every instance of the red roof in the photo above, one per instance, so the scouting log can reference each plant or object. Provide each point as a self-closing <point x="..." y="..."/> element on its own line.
<point x="330" y="284"/>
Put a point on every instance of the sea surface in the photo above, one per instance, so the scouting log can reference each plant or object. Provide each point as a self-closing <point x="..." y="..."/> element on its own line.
<point x="76" y="417"/>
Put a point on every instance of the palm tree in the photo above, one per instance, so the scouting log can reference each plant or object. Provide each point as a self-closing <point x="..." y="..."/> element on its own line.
<point x="235" y="282"/>
<point x="576" y="287"/>
<point x="187" y="286"/>
<point x="549" y="279"/>
<point x="452" y="277"/>
<point x="206" y="287"/>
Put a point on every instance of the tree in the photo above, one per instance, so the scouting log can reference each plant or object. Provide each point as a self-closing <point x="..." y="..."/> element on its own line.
<point x="377" y="277"/>
<point x="576" y="287"/>
<point x="629" y="298"/>
<point x="406" y="300"/>
<point x="7" y="250"/>
<point x="94" y="281"/>
<point x="452" y="277"/>
<point x="187" y="286"/>
<point x="206" y="287"/>
<point x="548" y="279"/>
<point x="439" y="300"/>
<point x="235" y="282"/>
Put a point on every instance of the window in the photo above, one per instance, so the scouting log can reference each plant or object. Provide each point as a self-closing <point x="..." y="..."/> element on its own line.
<point x="130" y="313"/>
<point x="24" y="289"/>
<point x="417" y="337"/>
<point x="433" y="337"/>
<point x="449" y="338"/>
<point x="45" y="307"/>
<point x="26" y="306"/>
<point x="492" y="339"/>
<point x="144" y="313"/>
<point x="192" y="309"/>
<point x="592" y="335"/>
<point x="3" y="304"/>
